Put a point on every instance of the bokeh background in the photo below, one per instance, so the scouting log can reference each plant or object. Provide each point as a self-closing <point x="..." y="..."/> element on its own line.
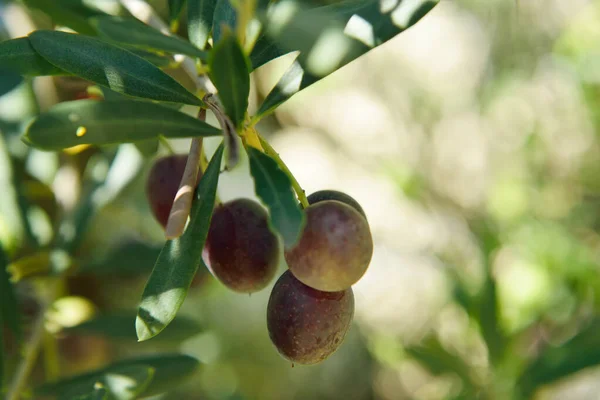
<point x="471" y="141"/>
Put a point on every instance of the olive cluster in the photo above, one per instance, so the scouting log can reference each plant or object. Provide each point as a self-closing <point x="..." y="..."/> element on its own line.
<point x="312" y="304"/>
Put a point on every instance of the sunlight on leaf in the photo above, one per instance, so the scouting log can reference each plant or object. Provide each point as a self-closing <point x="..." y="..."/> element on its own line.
<point x="360" y="29"/>
<point x="328" y="52"/>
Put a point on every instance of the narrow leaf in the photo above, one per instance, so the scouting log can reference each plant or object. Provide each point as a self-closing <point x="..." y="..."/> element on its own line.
<point x="179" y="260"/>
<point x="2" y="346"/>
<point x="230" y="72"/>
<point x="294" y="80"/>
<point x="62" y="15"/>
<point x="98" y="394"/>
<point x="108" y="122"/>
<point x="161" y="61"/>
<point x="122" y="381"/>
<point x="225" y="16"/>
<point x="110" y="66"/>
<point x="554" y="363"/>
<point x="121" y="326"/>
<point x="9" y="308"/>
<point x="170" y="370"/>
<point x="19" y="56"/>
<point x="331" y="36"/>
<point x="175" y="8"/>
<point x="275" y="189"/>
<point x="148" y="148"/>
<point x="131" y="31"/>
<point x="439" y="361"/>
<point x="200" y="18"/>
<point x="10" y="211"/>
<point x="264" y="51"/>
<point x="8" y="81"/>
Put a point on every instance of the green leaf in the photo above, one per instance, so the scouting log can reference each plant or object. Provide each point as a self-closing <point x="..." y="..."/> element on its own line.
<point x="99" y="393"/>
<point x="156" y="59"/>
<point x="331" y="36"/>
<point x="122" y="326"/>
<point x="557" y="362"/>
<point x="200" y="18"/>
<point x="170" y="370"/>
<point x="439" y="361"/>
<point x="230" y="73"/>
<point x="122" y="381"/>
<point x="485" y="307"/>
<point x="273" y="186"/>
<point x="9" y="308"/>
<point x="19" y="56"/>
<point x="179" y="260"/>
<point x="1" y="354"/>
<point x="110" y="66"/>
<point x="264" y="51"/>
<point x="292" y="81"/>
<point x="225" y="15"/>
<point x="62" y="15"/>
<point x="109" y="122"/>
<point x="13" y="236"/>
<point x="133" y="32"/>
<point x="148" y="147"/>
<point x="175" y="8"/>
<point x="9" y="81"/>
<point x="9" y="311"/>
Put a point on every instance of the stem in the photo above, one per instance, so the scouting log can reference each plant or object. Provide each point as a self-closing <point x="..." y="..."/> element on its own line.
<point x="31" y="349"/>
<point x="275" y="156"/>
<point x="51" y="359"/>
<point x="183" y="200"/>
<point x="229" y="131"/>
<point x="174" y="26"/>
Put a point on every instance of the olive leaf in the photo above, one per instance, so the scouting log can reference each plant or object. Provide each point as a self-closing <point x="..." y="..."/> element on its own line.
<point x="179" y="260"/>
<point x="329" y="37"/>
<point x="275" y="189"/>
<point x="110" y="66"/>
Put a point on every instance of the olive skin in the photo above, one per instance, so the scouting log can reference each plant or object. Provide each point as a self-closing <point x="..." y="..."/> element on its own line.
<point x="163" y="183"/>
<point x="334" y="249"/>
<point x="241" y="250"/>
<point x="307" y="325"/>
<point x="323" y="195"/>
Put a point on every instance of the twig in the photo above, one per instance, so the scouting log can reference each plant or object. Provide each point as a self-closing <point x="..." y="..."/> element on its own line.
<point x="32" y="348"/>
<point x="275" y="156"/>
<point x="229" y="131"/>
<point x="183" y="200"/>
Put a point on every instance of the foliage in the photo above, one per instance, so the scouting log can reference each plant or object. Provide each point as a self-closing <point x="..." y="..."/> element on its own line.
<point x="142" y="86"/>
<point x="138" y="101"/>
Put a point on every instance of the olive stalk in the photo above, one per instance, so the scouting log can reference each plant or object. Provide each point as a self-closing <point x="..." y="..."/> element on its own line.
<point x="270" y="151"/>
<point x="182" y="204"/>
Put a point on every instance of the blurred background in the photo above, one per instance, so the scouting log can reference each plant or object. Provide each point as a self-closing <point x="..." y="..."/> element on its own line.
<point x="471" y="141"/>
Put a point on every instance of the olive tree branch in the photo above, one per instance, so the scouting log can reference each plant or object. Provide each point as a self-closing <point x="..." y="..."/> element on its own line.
<point x="32" y="346"/>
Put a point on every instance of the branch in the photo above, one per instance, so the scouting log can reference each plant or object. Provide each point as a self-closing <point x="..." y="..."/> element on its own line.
<point x="229" y="131"/>
<point x="32" y="347"/>
<point x="183" y="200"/>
